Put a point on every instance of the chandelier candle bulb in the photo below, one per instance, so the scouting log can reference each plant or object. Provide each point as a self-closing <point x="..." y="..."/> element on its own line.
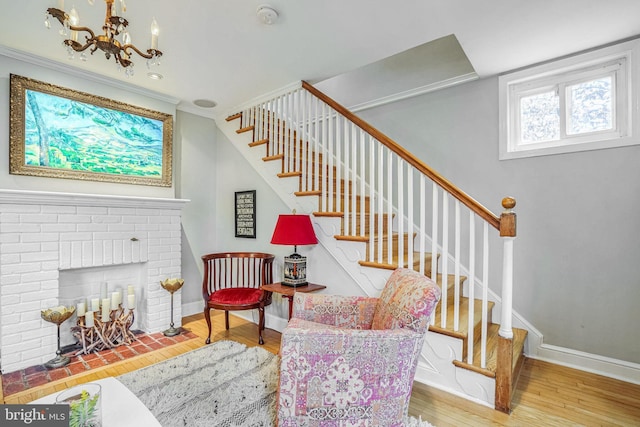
<point x="61" y="4"/>
<point x="74" y="20"/>
<point x="155" y="31"/>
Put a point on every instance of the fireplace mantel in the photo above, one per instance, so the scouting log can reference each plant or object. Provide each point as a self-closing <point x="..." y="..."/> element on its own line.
<point x="79" y="199"/>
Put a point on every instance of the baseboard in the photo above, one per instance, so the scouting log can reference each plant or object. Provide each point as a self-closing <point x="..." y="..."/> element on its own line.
<point x="596" y="364"/>
<point x="191" y="308"/>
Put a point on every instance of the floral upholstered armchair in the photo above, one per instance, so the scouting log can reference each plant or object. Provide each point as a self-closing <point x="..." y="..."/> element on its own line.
<point x="351" y="360"/>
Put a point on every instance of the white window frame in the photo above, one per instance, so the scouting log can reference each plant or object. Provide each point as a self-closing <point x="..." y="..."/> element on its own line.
<point x="618" y="61"/>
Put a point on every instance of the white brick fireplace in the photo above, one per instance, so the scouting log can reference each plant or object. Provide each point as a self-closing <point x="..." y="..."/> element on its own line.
<point x="43" y="234"/>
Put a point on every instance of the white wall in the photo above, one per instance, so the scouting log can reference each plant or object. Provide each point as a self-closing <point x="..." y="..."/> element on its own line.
<point x="576" y="255"/>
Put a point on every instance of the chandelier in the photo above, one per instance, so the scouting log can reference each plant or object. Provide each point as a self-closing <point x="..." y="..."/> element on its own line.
<point x="114" y="41"/>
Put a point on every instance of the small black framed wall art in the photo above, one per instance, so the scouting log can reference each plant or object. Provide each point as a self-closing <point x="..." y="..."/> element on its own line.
<point x="245" y="214"/>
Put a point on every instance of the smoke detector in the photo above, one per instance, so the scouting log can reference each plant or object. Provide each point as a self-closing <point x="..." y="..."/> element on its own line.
<point x="267" y="14"/>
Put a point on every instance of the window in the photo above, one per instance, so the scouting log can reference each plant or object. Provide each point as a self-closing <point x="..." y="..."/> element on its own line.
<point x="576" y="104"/>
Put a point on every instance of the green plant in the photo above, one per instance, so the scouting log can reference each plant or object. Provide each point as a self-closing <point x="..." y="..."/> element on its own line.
<point x="84" y="411"/>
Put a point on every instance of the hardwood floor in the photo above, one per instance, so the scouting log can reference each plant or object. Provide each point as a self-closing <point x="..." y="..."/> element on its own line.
<point x="546" y="394"/>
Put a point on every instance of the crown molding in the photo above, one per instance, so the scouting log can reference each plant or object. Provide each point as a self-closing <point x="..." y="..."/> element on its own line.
<point x="84" y="74"/>
<point x="414" y="92"/>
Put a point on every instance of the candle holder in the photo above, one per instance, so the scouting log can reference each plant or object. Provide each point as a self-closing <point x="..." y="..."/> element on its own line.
<point x="103" y="333"/>
<point x="172" y="285"/>
<point x="57" y="315"/>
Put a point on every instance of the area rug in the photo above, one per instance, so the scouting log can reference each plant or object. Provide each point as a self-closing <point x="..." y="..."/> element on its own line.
<point x="224" y="384"/>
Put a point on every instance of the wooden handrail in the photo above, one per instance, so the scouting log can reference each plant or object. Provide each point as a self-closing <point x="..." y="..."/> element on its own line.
<point x="460" y="195"/>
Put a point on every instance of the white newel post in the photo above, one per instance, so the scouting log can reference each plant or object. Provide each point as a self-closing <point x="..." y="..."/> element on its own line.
<point x="508" y="233"/>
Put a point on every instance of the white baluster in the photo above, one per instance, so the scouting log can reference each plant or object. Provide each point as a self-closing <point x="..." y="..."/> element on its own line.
<point x="372" y="197"/>
<point x="471" y="286"/>
<point x="445" y="255"/>
<point x="456" y="294"/>
<point x="380" y="191"/>
<point x="389" y="209"/>
<point x="423" y="228"/>
<point x="410" y="216"/>
<point x="485" y="294"/>
<point x="400" y="204"/>
<point x="434" y="233"/>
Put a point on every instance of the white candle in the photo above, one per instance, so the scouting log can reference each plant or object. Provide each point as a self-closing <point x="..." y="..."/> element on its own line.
<point x="105" y="309"/>
<point x="74" y="20"/>
<point x="131" y="301"/>
<point x="103" y="290"/>
<point x="130" y="290"/>
<point x="88" y="319"/>
<point x="114" y="300"/>
<point x="155" y="31"/>
<point x="119" y="296"/>
<point x="95" y="304"/>
<point x="80" y="309"/>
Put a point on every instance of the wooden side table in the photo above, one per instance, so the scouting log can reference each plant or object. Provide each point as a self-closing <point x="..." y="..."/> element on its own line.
<point x="288" y="291"/>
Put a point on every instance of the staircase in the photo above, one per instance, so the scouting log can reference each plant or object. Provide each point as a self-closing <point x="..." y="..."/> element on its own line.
<point x="377" y="196"/>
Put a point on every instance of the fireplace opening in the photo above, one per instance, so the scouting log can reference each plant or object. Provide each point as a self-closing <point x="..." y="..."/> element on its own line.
<point x="85" y="284"/>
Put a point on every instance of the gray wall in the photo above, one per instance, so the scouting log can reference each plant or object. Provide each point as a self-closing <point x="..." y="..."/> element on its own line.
<point x="576" y="256"/>
<point x="195" y="150"/>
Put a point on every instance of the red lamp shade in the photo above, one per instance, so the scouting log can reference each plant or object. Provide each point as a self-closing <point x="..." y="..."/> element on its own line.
<point x="294" y="230"/>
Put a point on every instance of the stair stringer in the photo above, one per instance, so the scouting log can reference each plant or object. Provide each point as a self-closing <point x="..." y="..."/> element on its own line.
<point x="448" y="377"/>
<point x="436" y="369"/>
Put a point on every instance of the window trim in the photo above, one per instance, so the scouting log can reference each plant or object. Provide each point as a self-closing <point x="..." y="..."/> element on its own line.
<point x="618" y="60"/>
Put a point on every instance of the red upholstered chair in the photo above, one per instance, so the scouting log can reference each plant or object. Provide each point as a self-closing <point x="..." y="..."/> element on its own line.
<point x="232" y="282"/>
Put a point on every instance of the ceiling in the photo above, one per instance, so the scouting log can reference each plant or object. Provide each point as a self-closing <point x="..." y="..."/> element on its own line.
<point x="220" y="50"/>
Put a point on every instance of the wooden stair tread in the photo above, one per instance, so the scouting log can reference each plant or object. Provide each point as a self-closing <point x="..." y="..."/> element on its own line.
<point x="463" y="321"/>
<point x="259" y="142"/>
<point x="233" y="117"/>
<point x="289" y="174"/>
<point x="395" y="264"/>
<point x="245" y="129"/>
<point x="274" y="157"/>
<point x="519" y="337"/>
<point x="308" y="193"/>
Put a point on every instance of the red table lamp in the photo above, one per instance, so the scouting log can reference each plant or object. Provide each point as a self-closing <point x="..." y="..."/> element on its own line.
<point x="294" y="230"/>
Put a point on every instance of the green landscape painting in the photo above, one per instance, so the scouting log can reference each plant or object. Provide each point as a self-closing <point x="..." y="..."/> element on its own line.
<point x="66" y="134"/>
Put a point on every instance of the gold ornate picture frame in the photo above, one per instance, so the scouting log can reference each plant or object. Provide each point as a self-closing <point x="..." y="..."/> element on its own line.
<point x="63" y="133"/>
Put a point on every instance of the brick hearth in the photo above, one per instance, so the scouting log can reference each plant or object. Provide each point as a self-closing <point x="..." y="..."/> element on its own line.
<point x="38" y="375"/>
